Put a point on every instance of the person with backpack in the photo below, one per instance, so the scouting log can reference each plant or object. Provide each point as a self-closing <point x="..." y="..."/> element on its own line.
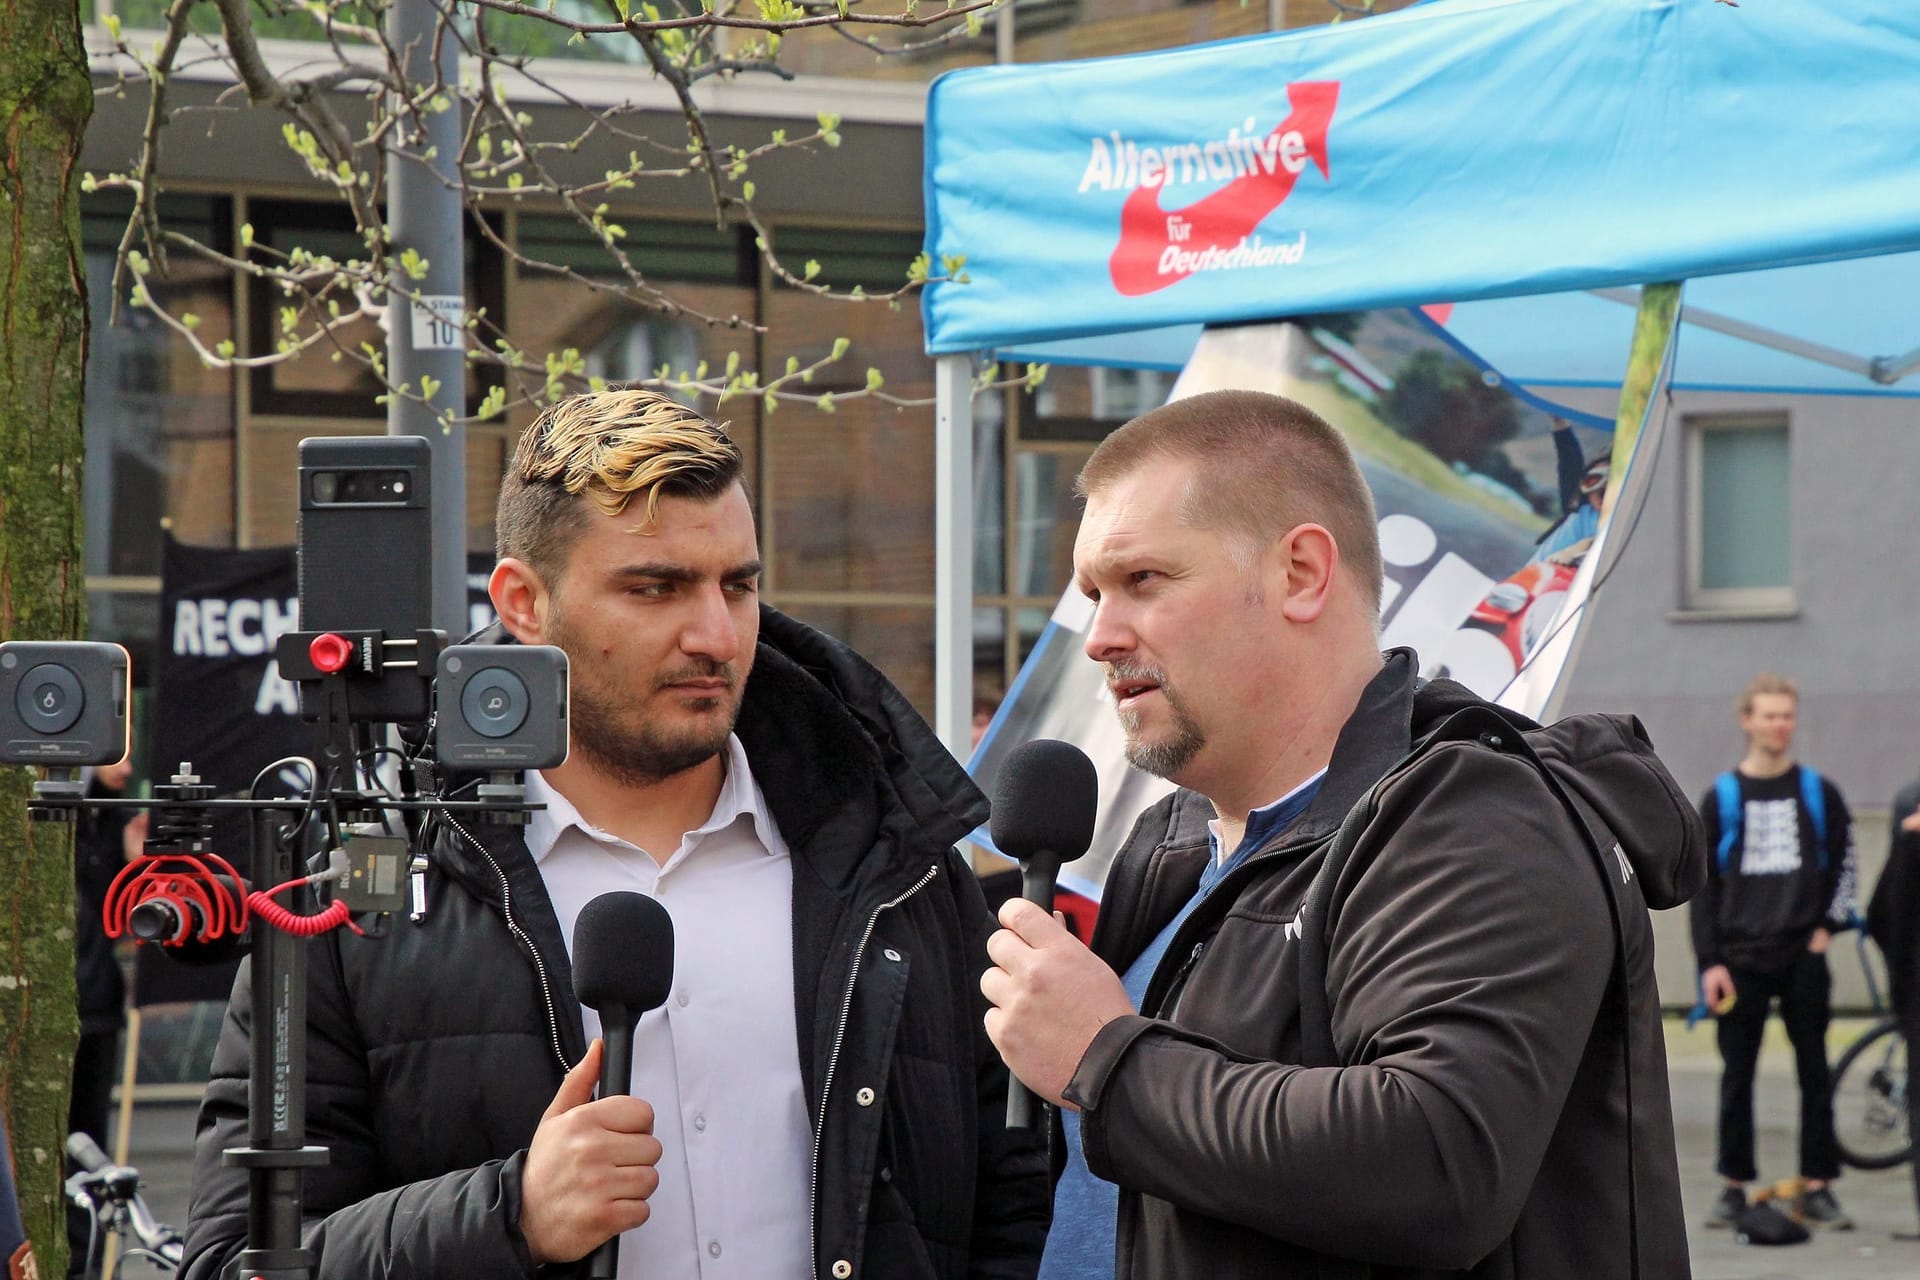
<point x="1781" y="883"/>
<point x="1372" y="992"/>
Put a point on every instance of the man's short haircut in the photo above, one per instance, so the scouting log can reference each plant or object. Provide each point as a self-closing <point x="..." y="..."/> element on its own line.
<point x="1265" y="465"/>
<point x="1767" y="682"/>
<point x="608" y="448"/>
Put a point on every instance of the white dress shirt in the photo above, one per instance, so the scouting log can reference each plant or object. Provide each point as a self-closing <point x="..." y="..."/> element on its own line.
<point x="719" y="1061"/>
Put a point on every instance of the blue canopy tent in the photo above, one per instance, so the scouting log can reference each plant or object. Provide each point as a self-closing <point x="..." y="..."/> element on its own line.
<point x="1523" y="163"/>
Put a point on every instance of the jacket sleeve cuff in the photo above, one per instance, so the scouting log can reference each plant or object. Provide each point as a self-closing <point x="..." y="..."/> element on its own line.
<point x="1090" y="1079"/>
<point x="1109" y="1045"/>
<point x="510" y="1192"/>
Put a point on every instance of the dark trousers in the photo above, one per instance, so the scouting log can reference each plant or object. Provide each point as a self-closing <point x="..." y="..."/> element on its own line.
<point x="1804" y="991"/>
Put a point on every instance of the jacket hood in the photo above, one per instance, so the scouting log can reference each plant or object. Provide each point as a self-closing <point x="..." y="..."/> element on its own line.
<point x="1609" y="762"/>
<point x="821" y="724"/>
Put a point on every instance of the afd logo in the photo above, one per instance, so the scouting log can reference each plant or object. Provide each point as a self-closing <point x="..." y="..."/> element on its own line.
<point x="1160" y="247"/>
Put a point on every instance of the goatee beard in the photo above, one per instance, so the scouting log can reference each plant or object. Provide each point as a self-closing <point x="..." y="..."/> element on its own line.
<point x="1165" y="758"/>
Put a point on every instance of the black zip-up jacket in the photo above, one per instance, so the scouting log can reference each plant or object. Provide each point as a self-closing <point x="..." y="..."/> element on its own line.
<point x="432" y="1051"/>
<point x="1479" y="1126"/>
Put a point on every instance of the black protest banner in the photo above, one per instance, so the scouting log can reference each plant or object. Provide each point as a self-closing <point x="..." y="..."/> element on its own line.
<point x="222" y="706"/>
<point x="222" y="709"/>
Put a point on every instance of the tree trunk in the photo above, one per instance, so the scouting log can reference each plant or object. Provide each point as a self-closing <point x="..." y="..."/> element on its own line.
<point x="46" y="97"/>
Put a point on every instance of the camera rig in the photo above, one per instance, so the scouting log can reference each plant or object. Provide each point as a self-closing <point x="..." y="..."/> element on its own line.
<point x="507" y="713"/>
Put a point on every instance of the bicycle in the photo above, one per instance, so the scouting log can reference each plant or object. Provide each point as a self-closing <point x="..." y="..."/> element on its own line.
<point x="110" y="1193"/>
<point x="1872" y="1119"/>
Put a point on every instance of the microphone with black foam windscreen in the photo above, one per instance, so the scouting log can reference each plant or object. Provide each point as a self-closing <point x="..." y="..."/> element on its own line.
<point x="622" y="968"/>
<point x="1043" y="810"/>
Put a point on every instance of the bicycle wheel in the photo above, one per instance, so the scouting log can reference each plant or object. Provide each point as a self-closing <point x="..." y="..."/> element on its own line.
<point x="1870" y="1117"/>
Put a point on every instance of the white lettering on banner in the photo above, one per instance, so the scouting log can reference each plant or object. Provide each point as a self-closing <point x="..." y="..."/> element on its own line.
<point x="1123" y="164"/>
<point x="281" y="619"/>
<point x="1439" y="603"/>
<point x="277" y="696"/>
<point x="216" y="628"/>
<point x="186" y="627"/>
<point x="1252" y="251"/>
<point x="251" y="643"/>
<point x="213" y="628"/>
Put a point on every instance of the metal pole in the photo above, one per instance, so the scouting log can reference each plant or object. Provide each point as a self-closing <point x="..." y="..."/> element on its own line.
<point x="276" y="1155"/>
<point x="426" y="337"/>
<point x="953" y="554"/>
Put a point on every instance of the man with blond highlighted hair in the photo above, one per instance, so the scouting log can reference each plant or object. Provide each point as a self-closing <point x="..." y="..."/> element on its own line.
<point x="817" y="1096"/>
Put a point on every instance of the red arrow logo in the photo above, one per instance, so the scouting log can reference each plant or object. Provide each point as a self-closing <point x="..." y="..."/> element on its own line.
<point x="1159" y="248"/>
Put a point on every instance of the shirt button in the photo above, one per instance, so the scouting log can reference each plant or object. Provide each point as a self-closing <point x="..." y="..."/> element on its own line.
<point x="886" y="1174"/>
<point x="713" y="1248"/>
<point x="700" y="1124"/>
<point x="842" y="1269"/>
<point x="864" y="1097"/>
<point x="892" y="955"/>
<point x="681" y="999"/>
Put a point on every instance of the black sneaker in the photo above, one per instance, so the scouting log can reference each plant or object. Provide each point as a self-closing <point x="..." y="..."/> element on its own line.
<point x="1727" y="1207"/>
<point x="1820" y="1209"/>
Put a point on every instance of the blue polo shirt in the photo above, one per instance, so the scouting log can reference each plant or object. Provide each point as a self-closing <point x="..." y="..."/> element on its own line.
<point x="1085" y="1208"/>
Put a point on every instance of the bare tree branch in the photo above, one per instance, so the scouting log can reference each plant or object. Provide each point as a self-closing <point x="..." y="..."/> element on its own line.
<point x="504" y="157"/>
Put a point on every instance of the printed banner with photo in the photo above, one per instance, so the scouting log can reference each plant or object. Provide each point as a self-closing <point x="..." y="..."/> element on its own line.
<point x="1489" y="500"/>
<point x="222" y="705"/>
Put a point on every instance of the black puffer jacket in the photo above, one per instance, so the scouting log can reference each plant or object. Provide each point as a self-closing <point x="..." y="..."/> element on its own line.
<point x="1479" y="1124"/>
<point x="433" y="1050"/>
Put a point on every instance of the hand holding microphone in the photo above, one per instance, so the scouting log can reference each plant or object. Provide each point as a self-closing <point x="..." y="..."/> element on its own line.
<point x="590" y="1168"/>
<point x="1043" y="815"/>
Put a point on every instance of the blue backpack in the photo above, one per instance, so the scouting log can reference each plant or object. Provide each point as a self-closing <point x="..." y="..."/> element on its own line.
<point x="1813" y="794"/>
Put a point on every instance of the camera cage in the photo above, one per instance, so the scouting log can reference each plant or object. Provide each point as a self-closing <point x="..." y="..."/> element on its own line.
<point x="331" y="668"/>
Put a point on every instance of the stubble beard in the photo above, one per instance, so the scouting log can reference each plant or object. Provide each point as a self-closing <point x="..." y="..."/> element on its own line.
<point x="1168" y="756"/>
<point x="645" y="753"/>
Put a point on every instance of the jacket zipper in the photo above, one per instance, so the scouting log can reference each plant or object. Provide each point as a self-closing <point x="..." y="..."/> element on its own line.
<point x="513" y="927"/>
<point x="1203" y="917"/>
<point x="839" y="1040"/>
<point x="1165" y="1008"/>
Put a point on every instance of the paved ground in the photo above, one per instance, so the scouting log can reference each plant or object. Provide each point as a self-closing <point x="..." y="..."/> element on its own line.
<point x="1880" y="1202"/>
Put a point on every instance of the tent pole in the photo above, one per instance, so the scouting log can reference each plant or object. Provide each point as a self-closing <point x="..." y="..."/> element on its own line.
<point x="1758" y="335"/>
<point x="953" y="554"/>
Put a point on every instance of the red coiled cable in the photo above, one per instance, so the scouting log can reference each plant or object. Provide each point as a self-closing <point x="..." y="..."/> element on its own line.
<point x="300" y="926"/>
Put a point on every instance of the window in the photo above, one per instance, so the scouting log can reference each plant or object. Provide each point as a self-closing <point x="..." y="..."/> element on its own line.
<point x="1086" y="403"/>
<point x="159" y="424"/>
<point x="324" y="381"/>
<point x="1740" y="518"/>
